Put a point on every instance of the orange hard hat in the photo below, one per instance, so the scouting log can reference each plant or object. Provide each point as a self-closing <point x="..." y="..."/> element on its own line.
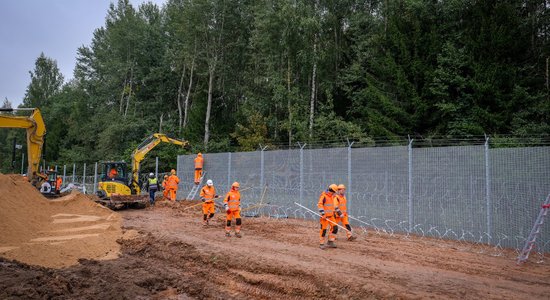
<point x="333" y="187"/>
<point x="200" y="154"/>
<point x="341" y="187"/>
<point x="235" y="184"/>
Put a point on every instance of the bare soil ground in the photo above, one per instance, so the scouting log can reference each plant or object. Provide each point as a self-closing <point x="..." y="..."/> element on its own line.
<point x="168" y="254"/>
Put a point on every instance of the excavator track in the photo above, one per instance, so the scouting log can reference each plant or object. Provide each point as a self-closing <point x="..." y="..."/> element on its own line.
<point x="124" y="201"/>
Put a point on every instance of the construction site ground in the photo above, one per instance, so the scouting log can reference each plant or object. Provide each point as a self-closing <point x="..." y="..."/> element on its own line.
<point x="165" y="253"/>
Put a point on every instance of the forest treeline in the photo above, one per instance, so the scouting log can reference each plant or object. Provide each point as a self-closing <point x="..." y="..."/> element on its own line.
<point x="233" y="74"/>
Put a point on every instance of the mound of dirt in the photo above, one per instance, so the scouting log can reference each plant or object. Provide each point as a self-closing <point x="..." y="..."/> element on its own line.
<point x="54" y="233"/>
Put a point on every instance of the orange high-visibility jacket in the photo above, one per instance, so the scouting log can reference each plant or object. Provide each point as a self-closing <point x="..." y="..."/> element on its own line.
<point x="232" y="200"/>
<point x="164" y="183"/>
<point x="342" y="203"/>
<point x="208" y="193"/>
<point x="328" y="203"/>
<point x="58" y="183"/>
<point x="199" y="162"/>
<point x="173" y="181"/>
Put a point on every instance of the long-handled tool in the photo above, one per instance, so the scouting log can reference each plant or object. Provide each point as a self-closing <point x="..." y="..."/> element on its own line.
<point x="261" y="204"/>
<point x="194" y="205"/>
<point x="311" y="211"/>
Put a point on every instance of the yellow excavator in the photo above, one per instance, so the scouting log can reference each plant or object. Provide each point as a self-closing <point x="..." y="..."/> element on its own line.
<point x="115" y="189"/>
<point x="36" y="130"/>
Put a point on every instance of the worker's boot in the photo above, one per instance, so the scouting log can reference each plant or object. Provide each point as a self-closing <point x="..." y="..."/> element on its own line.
<point x="228" y="234"/>
<point x="238" y="234"/>
<point x="331" y="244"/>
<point x="322" y="246"/>
<point x="352" y="238"/>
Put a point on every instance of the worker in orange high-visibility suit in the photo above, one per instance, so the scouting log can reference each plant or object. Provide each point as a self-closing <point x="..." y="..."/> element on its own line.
<point x="113" y="174"/>
<point x="165" y="186"/>
<point x="199" y="161"/>
<point x="342" y="205"/>
<point x="208" y="194"/>
<point x="172" y="185"/>
<point x="232" y="205"/>
<point x="58" y="183"/>
<point x="328" y="206"/>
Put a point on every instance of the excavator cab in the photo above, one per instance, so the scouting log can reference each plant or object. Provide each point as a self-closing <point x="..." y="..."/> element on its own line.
<point x="113" y="179"/>
<point x="114" y="171"/>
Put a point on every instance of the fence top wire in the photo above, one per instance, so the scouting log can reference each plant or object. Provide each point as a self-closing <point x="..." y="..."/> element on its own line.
<point x="495" y="141"/>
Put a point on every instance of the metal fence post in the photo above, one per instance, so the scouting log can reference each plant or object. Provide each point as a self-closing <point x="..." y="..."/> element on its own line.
<point x="74" y="172"/>
<point x="349" y="175"/>
<point x="228" y="169"/>
<point x="64" y="173"/>
<point x="56" y="168"/>
<point x="84" y="179"/>
<point x="488" y="191"/>
<point x="262" y="149"/>
<point x="95" y="178"/>
<point x="410" y="158"/>
<point x="23" y="164"/>
<point x="301" y="172"/>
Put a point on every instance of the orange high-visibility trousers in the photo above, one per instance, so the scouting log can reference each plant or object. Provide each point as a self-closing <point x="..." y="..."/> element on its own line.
<point x="172" y="194"/>
<point x="207" y="208"/>
<point x="233" y="214"/>
<point x="345" y="221"/>
<point x="198" y="175"/>
<point x="326" y="225"/>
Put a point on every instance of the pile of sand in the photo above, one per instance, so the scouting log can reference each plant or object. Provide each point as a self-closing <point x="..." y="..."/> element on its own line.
<point x="54" y="233"/>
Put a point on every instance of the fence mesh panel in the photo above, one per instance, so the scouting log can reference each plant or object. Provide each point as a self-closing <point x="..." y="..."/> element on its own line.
<point x="466" y="193"/>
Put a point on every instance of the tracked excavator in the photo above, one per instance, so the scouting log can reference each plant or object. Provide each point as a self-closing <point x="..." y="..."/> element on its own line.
<point x="36" y="130"/>
<point x="117" y="189"/>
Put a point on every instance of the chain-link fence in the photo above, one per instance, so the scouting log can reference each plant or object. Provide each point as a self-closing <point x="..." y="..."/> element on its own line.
<point x="85" y="177"/>
<point x="467" y="193"/>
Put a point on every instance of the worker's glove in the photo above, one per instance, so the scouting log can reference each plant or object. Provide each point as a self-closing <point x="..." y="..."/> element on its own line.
<point x="202" y="199"/>
<point x="322" y="212"/>
<point x="217" y="196"/>
<point x="339" y="213"/>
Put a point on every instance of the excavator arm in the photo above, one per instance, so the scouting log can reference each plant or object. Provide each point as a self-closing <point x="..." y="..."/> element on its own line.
<point x="147" y="145"/>
<point x="36" y="130"/>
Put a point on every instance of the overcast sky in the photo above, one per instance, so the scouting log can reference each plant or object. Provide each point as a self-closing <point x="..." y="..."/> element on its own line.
<point x="55" y="27"/>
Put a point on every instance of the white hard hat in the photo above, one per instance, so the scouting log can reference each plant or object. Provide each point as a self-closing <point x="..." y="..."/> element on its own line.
<point x="24" y="174"/>
<point x="209" y="182"/>
<point x="151" y="175"/>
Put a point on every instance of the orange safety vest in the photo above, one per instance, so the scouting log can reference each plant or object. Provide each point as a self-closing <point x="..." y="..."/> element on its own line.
<point x="233" y="200"/>
<point x="58" y="183"/>
<point x="208" y="193"/>
<point x="173" y="181"/>
<point x="328" y="202"/>
<point x="199" y="162"/>
<point x="342" y="203"/>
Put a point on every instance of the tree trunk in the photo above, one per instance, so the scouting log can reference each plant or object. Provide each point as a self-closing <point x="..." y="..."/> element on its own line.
<point x="160" y="123"/>
<point x="186" y="105"/>
<point x="122" y="95"/>
<point x="312" y="99"/>
<point x="208" y="107"/>
<point x="289" y="104"/>
<point x="180" y="92"/>
<point x="130" y="91"/>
